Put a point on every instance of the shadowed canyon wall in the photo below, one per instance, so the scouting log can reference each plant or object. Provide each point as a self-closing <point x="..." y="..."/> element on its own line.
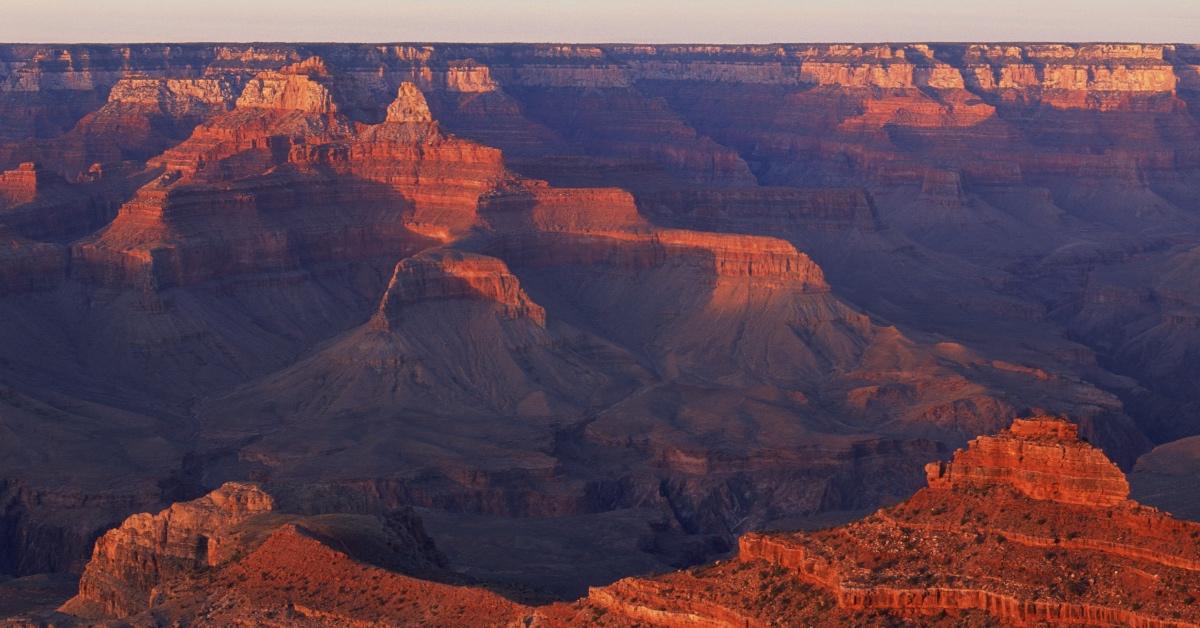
<point x="640" y="299"/>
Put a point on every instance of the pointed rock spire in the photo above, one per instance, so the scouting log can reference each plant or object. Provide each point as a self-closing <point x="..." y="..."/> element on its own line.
<point x="409" y="106"/>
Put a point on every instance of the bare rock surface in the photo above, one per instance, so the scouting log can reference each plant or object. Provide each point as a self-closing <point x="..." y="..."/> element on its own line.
<point x="661" y="295"/>
<point x="956" y="552"/>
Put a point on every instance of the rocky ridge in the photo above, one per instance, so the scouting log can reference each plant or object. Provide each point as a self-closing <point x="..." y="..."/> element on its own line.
<point x="1006" y="545"/>
<point x="656" y="296"/>
<point x="129" y="562"/>
<point x="212" y="560"/>
<point x="993" y="535"/>
<point x="452" y="274"/>
<point x="1040" y="459"/>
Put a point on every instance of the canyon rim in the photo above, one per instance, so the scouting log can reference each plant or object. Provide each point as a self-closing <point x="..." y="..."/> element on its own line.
<point x="613" y="334"/>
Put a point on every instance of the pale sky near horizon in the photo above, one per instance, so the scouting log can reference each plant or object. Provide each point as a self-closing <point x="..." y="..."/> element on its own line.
<point x="710" y="21"/>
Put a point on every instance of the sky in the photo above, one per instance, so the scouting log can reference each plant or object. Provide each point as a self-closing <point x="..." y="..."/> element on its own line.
<point x="584" y="21"/>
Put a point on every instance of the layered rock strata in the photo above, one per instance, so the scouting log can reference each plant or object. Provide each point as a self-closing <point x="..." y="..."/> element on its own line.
<point x="439" y="275"/>
<point x="131" y="561"/>
<point x="1040" y="459"/>
<point x="232" y="555"/>
<point x="266" y="171"/>
<point x="994" y="534"/>
<point x="698" y="290"/>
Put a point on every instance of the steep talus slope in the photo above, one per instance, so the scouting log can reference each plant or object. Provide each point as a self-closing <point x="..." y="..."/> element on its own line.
<point x="454" y="335"/>
<point x="638" y="344"/>
<point x="658" y="295"/>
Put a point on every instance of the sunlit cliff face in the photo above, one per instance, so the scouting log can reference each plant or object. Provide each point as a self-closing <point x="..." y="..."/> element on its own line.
<point x="621" y="303"/>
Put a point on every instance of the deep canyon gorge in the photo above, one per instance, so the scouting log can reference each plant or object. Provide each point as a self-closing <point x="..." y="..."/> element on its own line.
<point x="551" y="335"/>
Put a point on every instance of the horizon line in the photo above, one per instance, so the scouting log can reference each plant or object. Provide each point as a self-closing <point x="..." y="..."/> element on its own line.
<point x="880" y="42"/>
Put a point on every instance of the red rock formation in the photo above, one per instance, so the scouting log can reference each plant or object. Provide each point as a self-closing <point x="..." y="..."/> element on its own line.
<point x="275" y="109"/>
<point x="462" y="320"/>
<point x="229" y="556"/>
<point x="293" y="577"/>
<point x="147" y="550"/>
<point x="437" y="275"/>
<point x="994" y="534"/>
<point x="283" y="154"/>
<point x="143" y="116"/>
<point x="296" y="87"/>
<point x="177" y="97"/>
<point x="765" y="210"/>
<point x="1040" y="459"/>
<point x="409" y="106"/>
<point x="749" y="284"/>
<point x="540" y="226"/>
<point x="19" y="186"/>
<point x="43" y="206"/>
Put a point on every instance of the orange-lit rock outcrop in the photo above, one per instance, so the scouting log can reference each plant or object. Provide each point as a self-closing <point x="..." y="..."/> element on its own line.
<point x="439" y="275"/>
<point x="1039" y="459"/>
<point x="131" y="561"/>
<point x="620" y="303"/>
<point x="958" y="552"/>
<point x="19" y="186"/>
<point x="995" y="534"/>
<point x="231" y="556"/>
